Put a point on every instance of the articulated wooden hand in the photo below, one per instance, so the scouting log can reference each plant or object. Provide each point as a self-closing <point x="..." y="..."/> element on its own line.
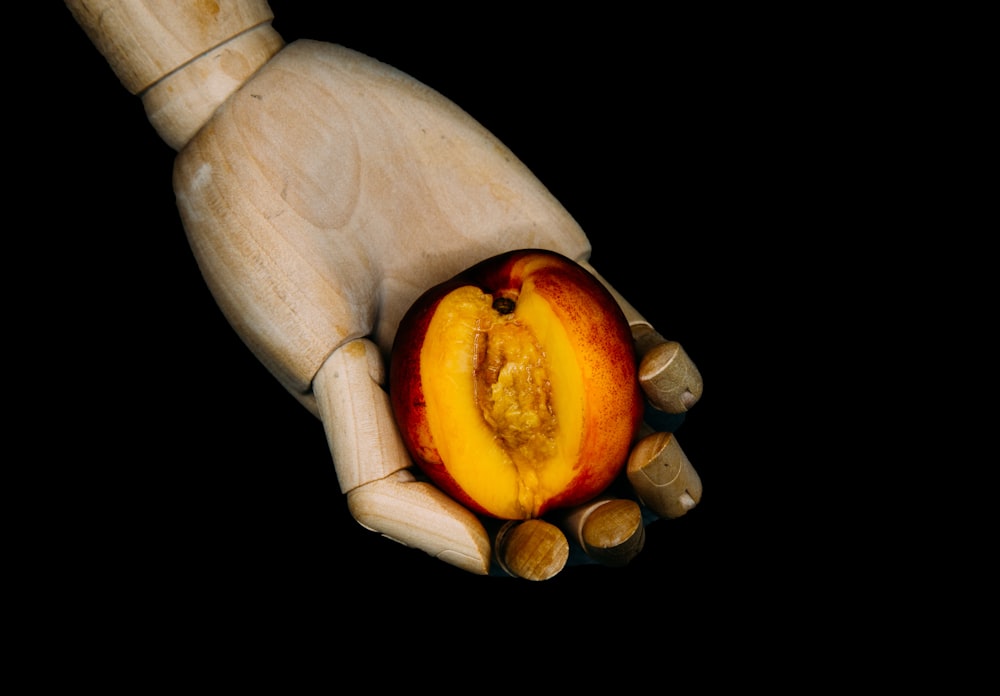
<point x="322" y="192"/>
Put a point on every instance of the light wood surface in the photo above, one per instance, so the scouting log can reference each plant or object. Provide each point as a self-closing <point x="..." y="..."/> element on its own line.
<point x="182" y="59"/>
<point x="609" y="530"/>
<point x="332" y="190"/>
<point x="531" y="549"/>
<point x="417" y="514"/>
<point x="662" y="476"/>
<point x="668" y="376"/>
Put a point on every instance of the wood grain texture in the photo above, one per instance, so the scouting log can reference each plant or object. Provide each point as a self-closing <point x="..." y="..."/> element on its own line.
<point x="417" y="514"/>
<point x="609" y="530"/>
<point x="531" y="549"/>
<point x="332" y="190"/>
<point x="372" y="465"/>
<point x="663" y="477"/>
<point x="145" y="40"/>
<point x="362" y="435"/>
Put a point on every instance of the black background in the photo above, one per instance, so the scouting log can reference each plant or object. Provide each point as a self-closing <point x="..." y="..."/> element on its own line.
<point x="184" y="476"/>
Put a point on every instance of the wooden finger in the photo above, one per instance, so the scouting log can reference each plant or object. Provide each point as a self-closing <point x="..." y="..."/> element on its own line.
<point x="531" y="549"/>
<point x="662" y="476"/>
<point x="417" y="514"/>
<point x="373" y="466"/>
<point x="609" y="530"/>
<point x="357" y="418"/>
<point x="669" y="377"/>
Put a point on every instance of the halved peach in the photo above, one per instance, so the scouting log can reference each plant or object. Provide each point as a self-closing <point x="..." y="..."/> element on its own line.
<point x="514" y="385"/>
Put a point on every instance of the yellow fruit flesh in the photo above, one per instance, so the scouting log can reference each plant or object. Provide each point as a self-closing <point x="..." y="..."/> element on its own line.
<point x="504" y="400"/>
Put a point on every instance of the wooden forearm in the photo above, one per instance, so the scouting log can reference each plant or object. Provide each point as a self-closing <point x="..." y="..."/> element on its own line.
<point x="183" y="59"/>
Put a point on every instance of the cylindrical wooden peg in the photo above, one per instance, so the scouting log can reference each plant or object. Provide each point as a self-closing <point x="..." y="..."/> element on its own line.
<point x="662" y="476"/>
<point x="531" y="549"/>
<point x="668" y="376"/>
<point x="609" y="530"/>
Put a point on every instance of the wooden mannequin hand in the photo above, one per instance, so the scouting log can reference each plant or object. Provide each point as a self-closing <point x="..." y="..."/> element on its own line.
<point x="322" y="192"/>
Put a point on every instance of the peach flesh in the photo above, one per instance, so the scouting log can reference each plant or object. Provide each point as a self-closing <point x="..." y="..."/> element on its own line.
<point x="523" y="399"/>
